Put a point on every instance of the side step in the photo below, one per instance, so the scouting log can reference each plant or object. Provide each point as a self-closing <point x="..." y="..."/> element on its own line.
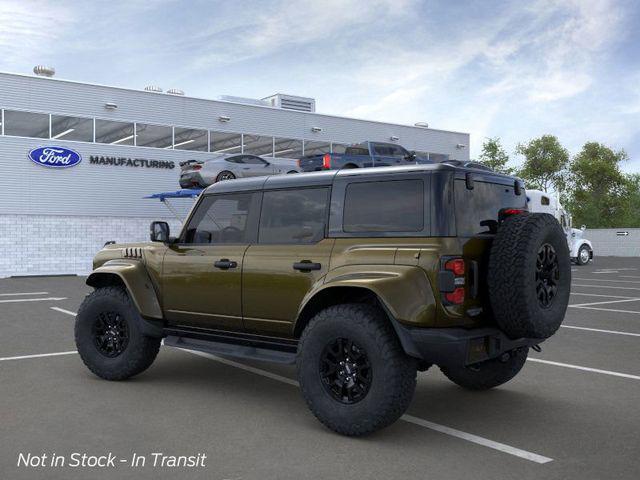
<point x="230" y="349"/>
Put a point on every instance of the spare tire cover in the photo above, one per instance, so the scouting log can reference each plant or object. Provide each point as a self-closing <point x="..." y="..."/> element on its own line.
<point x="529" y="276"/>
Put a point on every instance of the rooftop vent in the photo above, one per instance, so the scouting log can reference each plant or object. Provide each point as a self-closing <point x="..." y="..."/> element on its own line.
<point x="153" y="88"/>
<point x="291" y="102"/>
<point x="422" y="124"/>
<point x="43" y="71"/>
<point x="175" y="91"/>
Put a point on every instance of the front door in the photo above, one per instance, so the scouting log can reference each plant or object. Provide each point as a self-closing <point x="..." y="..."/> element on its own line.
<point x="291" y="256"/>
<point x="202" y="273"/>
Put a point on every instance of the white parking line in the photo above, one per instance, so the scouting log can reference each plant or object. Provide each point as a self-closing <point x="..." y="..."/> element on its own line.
<point x="48" y="299"/>
<point x="604" y="302"/>
<point x="533" y="457"/>
<point x="606" y="286"/>
<point x="586" y="369"/>
<point x="598" y="295"/>
<point x="602" y="331"/>
<point x="62" y="310"/>
<point x="606" y="280"/>
<point x="39" y="355"/>
<point x="608" y="310"/>
<point x="26" y="293"/>
<point x="629" y="276"/>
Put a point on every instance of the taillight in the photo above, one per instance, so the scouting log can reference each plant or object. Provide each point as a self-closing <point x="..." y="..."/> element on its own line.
<point x="512" y="211"/>
<point x="456" y="297"/>
<point x="196" y="167"/>
<point x="326" y="161"/>
<point x="451" y="280"/>
<point x="298" y="163"/>
<point x="456" y="266"/>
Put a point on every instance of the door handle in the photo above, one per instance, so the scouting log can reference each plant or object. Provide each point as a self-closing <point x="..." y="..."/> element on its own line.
<point x="306" y="266"/>
<point x="225" y="264"/>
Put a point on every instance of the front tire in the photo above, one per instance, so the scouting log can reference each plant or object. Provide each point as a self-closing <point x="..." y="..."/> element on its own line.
<point x="489" y="374"/>
<point x="584" y="255"/>
<point x="353" y="372"/>
<point x="108" y="336"/>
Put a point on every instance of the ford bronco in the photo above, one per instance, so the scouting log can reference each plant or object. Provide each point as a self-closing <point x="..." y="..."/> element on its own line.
<point x="360" y="277"/>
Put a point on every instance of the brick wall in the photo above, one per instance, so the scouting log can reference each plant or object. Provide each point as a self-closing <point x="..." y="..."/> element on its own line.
<point x="53" y="245"/>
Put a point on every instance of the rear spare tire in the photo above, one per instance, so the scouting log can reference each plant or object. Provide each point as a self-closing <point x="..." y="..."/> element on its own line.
<point x="529" y="276"/>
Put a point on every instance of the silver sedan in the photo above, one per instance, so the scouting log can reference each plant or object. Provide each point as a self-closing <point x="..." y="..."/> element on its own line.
<point x="198" y="173"/>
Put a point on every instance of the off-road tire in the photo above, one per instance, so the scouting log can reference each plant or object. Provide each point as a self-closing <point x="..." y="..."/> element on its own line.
<point x="225" y="175"/>
<point x="489" y="374"/>
<point x="513" y="276"/>
<point x="579" y="260"/>
<point x="393" y="373"/>
<point x="140" y="350"/>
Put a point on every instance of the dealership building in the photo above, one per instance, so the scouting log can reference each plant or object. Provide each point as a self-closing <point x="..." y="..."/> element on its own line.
<point x="120" y="145"/>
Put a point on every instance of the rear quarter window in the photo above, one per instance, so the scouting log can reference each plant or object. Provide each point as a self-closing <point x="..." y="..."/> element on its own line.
<point x="385" y="206"/>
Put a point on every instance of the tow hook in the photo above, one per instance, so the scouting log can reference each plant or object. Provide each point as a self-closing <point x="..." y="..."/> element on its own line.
<point x="536" y="348"/>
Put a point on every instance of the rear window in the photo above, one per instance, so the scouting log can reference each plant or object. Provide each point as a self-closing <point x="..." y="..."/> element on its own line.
<point x="482" y="204"/>
<point x="391" y="206"/>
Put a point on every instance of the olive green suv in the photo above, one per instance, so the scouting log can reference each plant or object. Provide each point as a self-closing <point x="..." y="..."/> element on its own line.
<point x="360" y="277"/>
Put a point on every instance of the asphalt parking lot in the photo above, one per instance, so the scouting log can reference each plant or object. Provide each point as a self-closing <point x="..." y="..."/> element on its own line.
<point x="571" y="413"/>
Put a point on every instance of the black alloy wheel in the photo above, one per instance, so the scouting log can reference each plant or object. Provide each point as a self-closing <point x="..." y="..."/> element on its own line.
<point x="345" y="371"/>
<point x="547" y="275"/>
<point x="110" y="334"/>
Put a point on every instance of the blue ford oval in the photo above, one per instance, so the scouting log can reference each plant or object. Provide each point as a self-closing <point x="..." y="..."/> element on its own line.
<point x="55" y="157"/>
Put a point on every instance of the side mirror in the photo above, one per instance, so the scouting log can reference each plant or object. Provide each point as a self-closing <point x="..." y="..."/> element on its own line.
<point x="411" y="156"/>
<point x="159" y="232"/>
<point x="583" y="228"/>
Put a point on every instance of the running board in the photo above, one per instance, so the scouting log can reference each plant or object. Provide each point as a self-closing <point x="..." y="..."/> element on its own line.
<point x="249" y="352"/>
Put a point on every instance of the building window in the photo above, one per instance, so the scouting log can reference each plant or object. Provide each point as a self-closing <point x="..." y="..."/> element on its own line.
<point x="157" y="136"/>
<point x="71" y="128"/>
<point x="287" y="148"/>
<point x="293" y="216"/>
<point x="257" y="145"/>
<point x="26" y="124"/>
<point x="392" y="206"/>
<point x="190" y="139"/>
<point x="226" y="142"/>
<point x="316" y="148"/>
<point x="115" y="133"/>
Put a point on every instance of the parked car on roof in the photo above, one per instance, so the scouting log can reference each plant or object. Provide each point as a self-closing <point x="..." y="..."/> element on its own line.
<point x="366" y="154"/>
<point x="198" y="173"/>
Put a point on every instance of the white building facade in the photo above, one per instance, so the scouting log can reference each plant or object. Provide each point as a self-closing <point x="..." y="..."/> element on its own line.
<point x="127" y="144"/>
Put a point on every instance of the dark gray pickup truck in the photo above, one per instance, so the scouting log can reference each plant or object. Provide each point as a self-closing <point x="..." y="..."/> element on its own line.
<point x="367" y="154"/>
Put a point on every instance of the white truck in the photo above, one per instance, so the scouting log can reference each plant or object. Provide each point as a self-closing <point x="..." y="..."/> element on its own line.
<point x="580" y="248"/>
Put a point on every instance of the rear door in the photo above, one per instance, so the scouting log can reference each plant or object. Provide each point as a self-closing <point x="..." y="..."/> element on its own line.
<point x="201" y="275"/>
<point x="292" y="254"/>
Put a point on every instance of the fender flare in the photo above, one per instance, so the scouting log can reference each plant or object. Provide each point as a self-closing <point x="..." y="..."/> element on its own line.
<point x="404" y="307"/>
<point x="578" y="245"/>
<point x="133" y="275"/>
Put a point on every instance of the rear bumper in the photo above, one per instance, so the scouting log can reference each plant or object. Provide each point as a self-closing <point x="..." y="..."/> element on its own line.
<point x="458" y="346"/>
<point x="191" y="179"/>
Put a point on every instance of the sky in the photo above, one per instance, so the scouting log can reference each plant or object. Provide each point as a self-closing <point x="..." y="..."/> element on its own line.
<point x="514" y="70"/>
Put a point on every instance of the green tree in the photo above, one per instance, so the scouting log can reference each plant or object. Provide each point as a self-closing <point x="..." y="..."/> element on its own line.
<point x="545" y="163"/>
<point x="600" y="194"/>
<point x="494" y="156"/>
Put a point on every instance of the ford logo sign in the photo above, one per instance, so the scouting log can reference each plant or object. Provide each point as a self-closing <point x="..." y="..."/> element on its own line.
<point x="56" y="157"/>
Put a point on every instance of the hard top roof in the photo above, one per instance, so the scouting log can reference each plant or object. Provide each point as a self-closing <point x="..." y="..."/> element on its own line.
<point x="310" y="179"/>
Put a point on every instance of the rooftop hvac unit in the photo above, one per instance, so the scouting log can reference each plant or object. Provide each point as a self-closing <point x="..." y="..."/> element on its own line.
<point x="175" y="91"/>
<point x="291" y="102"/>
<point x="44" y="71"/>
<point x="153" y="88"/>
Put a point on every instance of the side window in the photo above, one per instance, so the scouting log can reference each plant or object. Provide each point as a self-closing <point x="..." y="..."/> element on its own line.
<point x="390" y="206"/>
<point x="398" y="151"/>
<point x="293" y="216"/>
<point x="223" y="219"/>
<point x="382" y="150"/>
<point x="253" y="160"/>
<point x="238" y="159"/>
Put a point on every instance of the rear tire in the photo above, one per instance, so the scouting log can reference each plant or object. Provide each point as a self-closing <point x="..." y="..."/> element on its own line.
<point x="361" y="337"/>
<point x="489" y="374"/>
<point x="108" y="336"/>
<point x="225" y="175"/>
<point x="529" y="276"/>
